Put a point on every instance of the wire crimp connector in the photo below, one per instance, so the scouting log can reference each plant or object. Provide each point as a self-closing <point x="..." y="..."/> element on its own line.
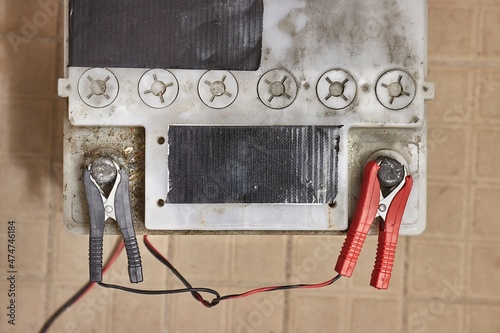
<point x="116" y="205"/>
<point x="372" y="204"/>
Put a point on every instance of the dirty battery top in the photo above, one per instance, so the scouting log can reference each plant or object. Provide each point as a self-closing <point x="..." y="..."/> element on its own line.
<point x="245" y="116"/>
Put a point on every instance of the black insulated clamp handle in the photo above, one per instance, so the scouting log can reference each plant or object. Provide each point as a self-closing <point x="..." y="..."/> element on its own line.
<point x="95" y="259"/>
<point x="97" y="217"/>
<point x="134" y="260"/>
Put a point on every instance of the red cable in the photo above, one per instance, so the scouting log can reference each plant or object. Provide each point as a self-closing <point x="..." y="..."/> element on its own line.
<point x="197" y="295"/>
<point x="265" y="289"/>
<point x="112" y="260"/>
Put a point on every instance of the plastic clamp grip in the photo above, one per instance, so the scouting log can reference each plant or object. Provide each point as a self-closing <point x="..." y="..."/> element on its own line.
<point x="365" y="213"/>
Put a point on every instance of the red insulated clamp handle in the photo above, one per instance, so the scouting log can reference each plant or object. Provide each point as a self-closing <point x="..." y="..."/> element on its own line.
<point x="365" y="213"/>
<point x="388" y="238"/>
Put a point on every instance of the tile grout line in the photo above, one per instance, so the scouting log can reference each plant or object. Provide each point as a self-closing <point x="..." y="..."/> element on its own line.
<point x="464" y="300"/>
<point x="476" y="40"/>
<point x="406" y="273"/>
<point x="168" y="280"/>
<point x="469" y="63"/>
<point x="472" y="171"/>
<point x="469" y="196"/>
<point x="288" y="272"/>
<point x="480" y="28"/>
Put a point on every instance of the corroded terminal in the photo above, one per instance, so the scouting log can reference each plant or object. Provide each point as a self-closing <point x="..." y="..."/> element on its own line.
<point x="103" y="170"/>
<point x="391" y="172"/>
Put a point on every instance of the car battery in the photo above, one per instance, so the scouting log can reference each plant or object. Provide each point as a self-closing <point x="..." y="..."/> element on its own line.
<point x="247" y="116"/>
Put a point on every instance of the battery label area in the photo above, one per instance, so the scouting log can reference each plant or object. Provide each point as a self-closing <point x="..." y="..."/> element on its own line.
<point x="244" y="164"/>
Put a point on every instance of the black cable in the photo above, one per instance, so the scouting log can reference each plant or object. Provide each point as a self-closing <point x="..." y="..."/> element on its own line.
<point x="159" y="292"/>
<point x="65" y="306"/>
<point x="167" y="263"/>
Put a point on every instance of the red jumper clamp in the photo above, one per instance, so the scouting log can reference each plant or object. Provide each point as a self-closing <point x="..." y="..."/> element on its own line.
<point x="372" y="203"/>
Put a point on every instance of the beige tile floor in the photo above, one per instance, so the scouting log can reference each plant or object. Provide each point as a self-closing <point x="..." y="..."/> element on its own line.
<point x="447" y="280"/>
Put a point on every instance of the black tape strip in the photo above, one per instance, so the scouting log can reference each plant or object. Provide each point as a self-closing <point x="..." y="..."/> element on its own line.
<point x="285" y="164"/>
<point x="187" y="34"/>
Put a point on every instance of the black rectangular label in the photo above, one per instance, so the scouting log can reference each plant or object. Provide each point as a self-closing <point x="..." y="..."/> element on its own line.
<point x="279" y="164"/>
<point x="188" y="34"/>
